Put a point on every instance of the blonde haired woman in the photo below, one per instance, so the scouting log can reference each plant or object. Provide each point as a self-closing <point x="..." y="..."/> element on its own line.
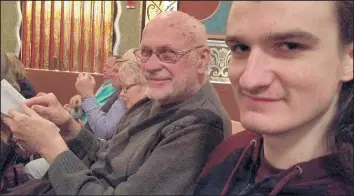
<point x="133" y="89"/>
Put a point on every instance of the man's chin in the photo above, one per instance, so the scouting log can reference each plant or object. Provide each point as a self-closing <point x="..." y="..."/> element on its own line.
<point x="264" y="127"/>
<point x="158" y="93"/>
<point x="259" y="123"/>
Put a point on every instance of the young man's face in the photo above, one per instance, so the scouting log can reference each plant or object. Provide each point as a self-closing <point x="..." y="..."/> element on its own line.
<point x="286" y="67"/>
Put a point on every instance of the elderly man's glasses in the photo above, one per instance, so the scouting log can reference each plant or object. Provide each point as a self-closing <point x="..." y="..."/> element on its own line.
<point x="166" y="55"/>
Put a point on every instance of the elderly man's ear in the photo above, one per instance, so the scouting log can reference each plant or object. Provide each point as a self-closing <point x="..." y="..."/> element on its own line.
<point x="204" y="60"/>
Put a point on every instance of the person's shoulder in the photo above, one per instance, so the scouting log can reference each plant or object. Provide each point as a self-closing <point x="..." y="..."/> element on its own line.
<point x="207" y="98"/>
<point x="188" y="116"/>
<point x="226" y="148"/>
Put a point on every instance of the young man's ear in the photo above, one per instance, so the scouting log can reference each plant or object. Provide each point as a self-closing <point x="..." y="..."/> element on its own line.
<point x="205" y="59"/>
<point x="348" y="64"/>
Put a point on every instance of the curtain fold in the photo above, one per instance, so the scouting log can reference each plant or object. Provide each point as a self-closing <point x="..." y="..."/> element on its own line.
<point x="66" y="35"/>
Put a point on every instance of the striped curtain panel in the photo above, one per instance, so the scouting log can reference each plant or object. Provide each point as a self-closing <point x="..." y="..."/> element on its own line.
<point x="66" y="35"/>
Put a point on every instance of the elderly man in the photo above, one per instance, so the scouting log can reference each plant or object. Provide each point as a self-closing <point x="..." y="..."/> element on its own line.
<point x="161" y="143"/>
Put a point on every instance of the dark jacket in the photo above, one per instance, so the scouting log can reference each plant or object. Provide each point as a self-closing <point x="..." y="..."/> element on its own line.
<point x="238" y="167"/>
<point x="26" y="89"/>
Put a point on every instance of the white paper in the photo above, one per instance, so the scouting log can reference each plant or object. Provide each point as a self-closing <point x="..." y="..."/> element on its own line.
<point x="10" y="98"/>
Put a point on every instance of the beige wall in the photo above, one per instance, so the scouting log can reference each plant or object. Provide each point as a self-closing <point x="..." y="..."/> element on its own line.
<point x="9" y="20"/>
<point x="130" y="27"/>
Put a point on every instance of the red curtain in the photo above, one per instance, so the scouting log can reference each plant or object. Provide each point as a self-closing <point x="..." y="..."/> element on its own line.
<point x="66" y="35"/>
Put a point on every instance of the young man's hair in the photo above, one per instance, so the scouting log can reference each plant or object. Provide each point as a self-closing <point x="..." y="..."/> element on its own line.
<point x="342" y="138"/>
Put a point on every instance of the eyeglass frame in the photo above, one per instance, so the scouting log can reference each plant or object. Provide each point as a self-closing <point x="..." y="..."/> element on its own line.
<point x="125" y="90"/>
<point x="180" y="52"/>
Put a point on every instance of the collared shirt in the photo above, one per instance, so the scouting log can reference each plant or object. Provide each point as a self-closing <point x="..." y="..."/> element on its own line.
<point x="104" y="124"/>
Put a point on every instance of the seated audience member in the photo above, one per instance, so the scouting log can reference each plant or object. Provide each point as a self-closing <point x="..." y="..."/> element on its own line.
<point x="162" y="141"/>
<point x="10" y="153"/>
<point x="19" y="73"/>
<point x="133" y="86"/>
<point x="6" y="71"/>
<point x="104" y="120"/>
<point x="105" y="91"/>
<point x="293" y="83"/>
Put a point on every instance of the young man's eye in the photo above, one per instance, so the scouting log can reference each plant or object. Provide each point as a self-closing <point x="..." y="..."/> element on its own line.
<point x="240" y="48"/>
<point x="288" y="46"/>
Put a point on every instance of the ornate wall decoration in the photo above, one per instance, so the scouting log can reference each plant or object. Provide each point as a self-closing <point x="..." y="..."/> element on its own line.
<point x="116" y="28"/>
<point x="18" y="27"/>
<point x="219" y="63"/>
<point x="154" y="8"/>
<point x="213" y="15"/>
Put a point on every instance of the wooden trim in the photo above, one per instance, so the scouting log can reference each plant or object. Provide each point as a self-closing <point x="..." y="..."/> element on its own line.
<point x="61" y="42"/>
<point x="82" y="38"/>
<point x="41" y="37"/>
<point x="92" y="51"/>
<point x="24" y="34"/>
<point x="71" y="47"/>
<point x="102" y="57"/>
<point x="33" y="35"/>
<point x="216" y="36"/>
<point x="51" y="34"/>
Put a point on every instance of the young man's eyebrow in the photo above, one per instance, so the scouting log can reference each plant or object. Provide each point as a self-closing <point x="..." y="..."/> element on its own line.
<point x="229" y="39"/>
<point x="301" y="35"/>
<point x="277" y="36"/>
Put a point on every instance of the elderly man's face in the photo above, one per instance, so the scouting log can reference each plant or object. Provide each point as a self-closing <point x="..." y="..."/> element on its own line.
<point x="115" y="78"/>
<point x="286" y="67"/>
<point x="109" y="67"/>
<point x="165" y="81"/>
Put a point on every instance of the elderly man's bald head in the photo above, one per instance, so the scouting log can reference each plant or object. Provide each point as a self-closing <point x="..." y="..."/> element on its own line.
<point x="190" y="28"/>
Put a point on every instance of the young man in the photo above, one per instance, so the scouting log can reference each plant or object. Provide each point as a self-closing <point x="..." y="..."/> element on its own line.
<point x="292" y="74"/>
<point x="162" y="142"/>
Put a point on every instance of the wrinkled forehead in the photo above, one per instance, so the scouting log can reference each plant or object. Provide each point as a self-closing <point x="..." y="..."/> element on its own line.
<point x="254" y="19"/>
<point x="173" y="37"/>
<point x="173" y="31"/>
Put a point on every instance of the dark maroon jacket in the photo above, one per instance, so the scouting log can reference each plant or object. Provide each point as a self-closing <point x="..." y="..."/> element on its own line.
<point x="237" y="167"/>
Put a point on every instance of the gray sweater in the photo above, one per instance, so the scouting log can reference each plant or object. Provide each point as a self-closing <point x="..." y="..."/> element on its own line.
<point x="158" y="150"/>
